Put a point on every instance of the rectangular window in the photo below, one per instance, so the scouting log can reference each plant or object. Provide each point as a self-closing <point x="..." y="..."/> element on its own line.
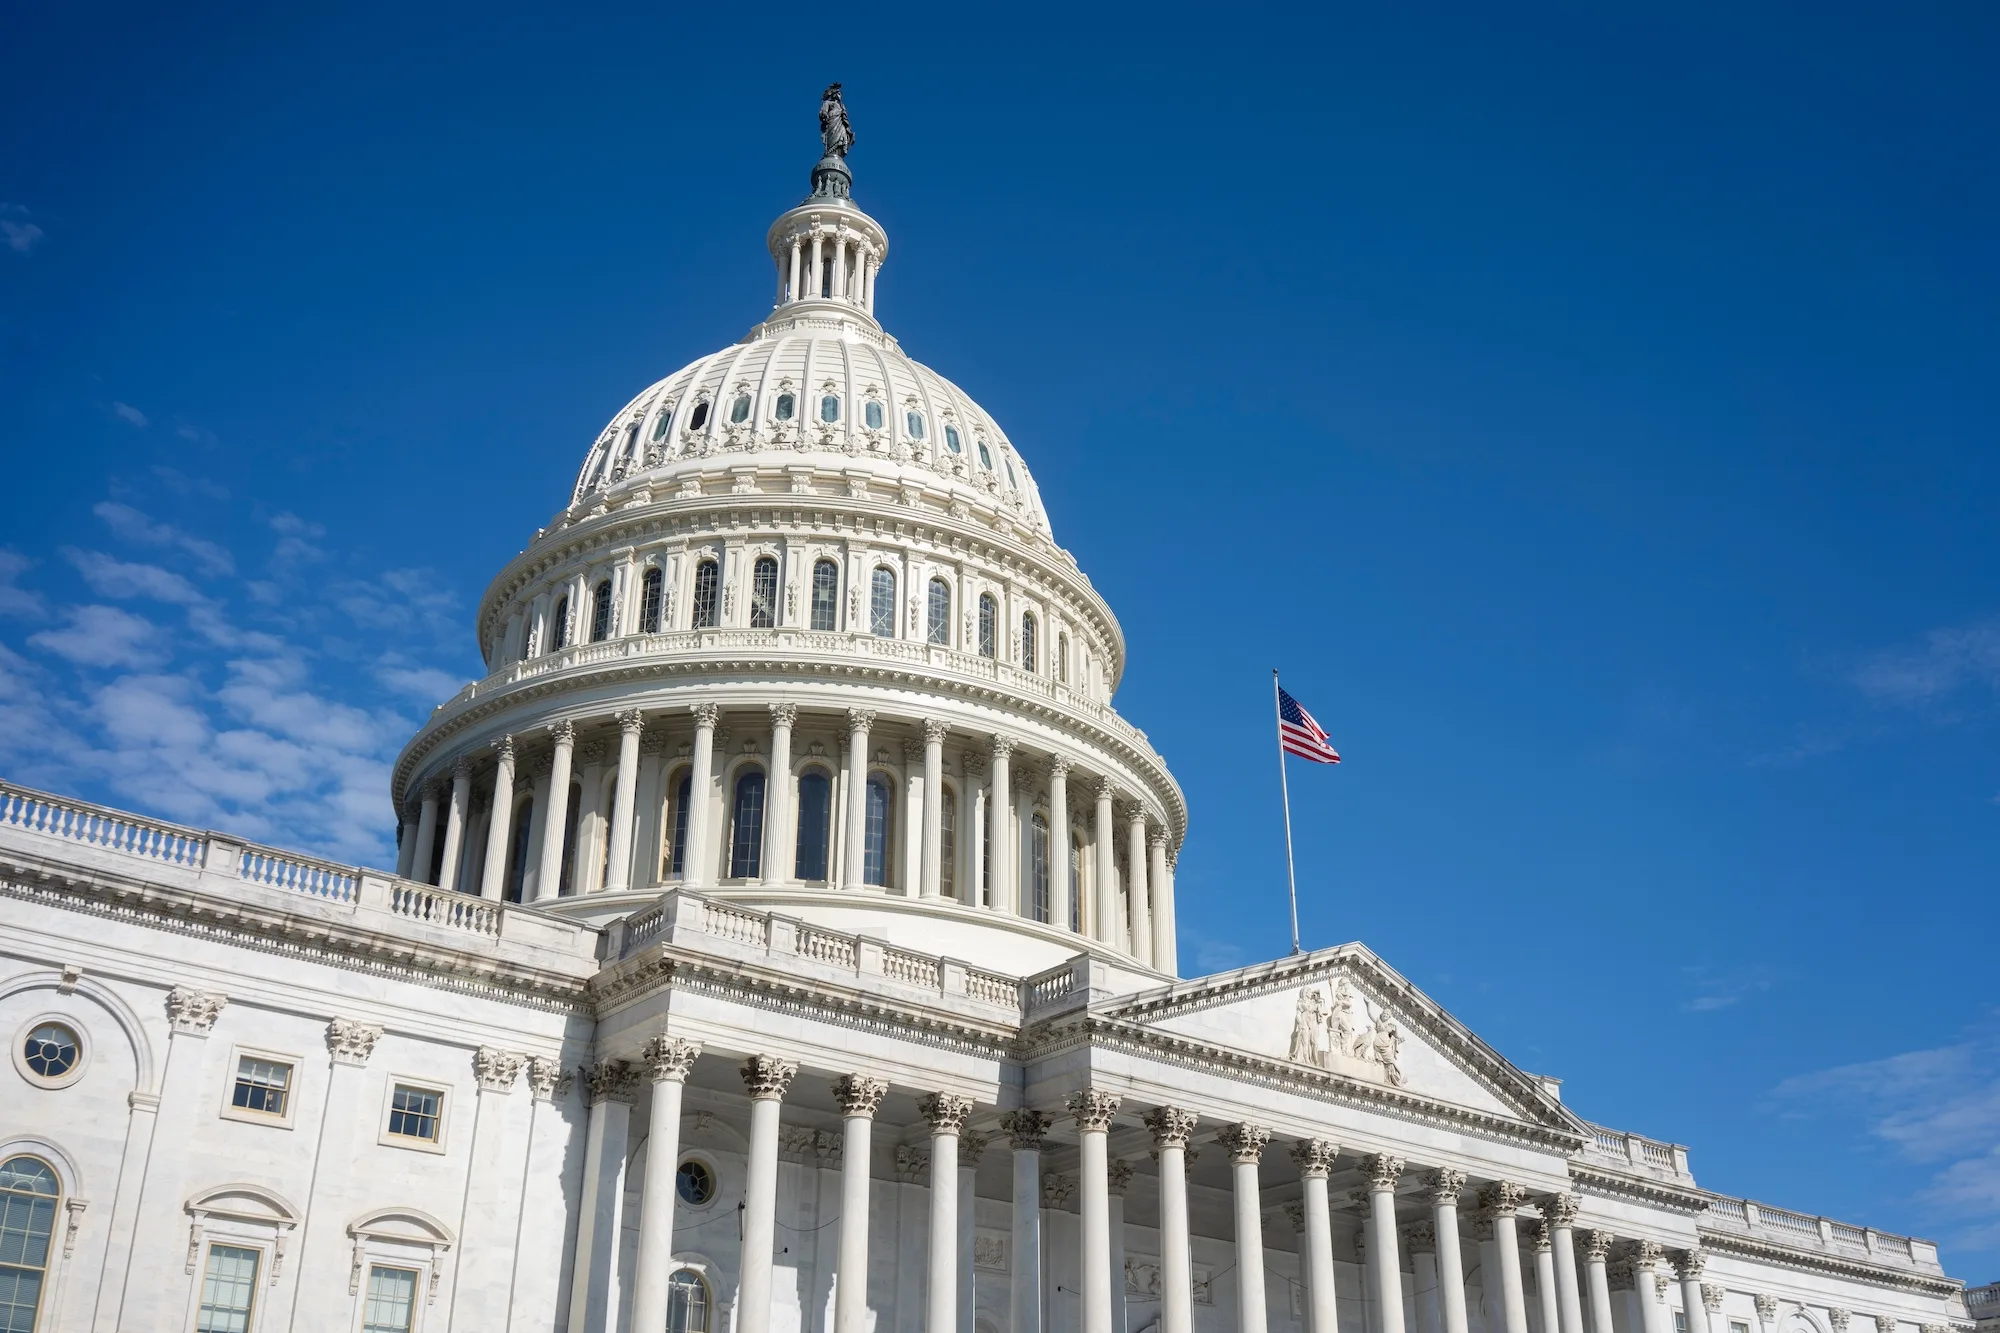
<point x="948" y="842"/>
<point x="826" y="595"/>
<point x="228" y="1290"/>
<point x="264" y="1086"/>
<point x="1680" y="1321"/>
<point x="1738" y="1326"/>
<point x="392" y="1300"/>
<point x="1038" y="869"/>
<point x="415" y="1113"/>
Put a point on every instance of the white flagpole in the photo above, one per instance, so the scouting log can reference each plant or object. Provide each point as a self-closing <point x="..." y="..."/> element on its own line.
<point x="1284" y="786"/>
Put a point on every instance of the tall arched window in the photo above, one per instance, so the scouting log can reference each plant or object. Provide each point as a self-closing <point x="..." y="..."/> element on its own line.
<point x="787" y="405"/>
<point x="826" y="594"/>
<point x="517" y="851"/>
<point x="875" y="836"/>
<point x="559" y="626"/>
<point x="687" y="1303"/>
<point x="29" y="1193"/>
<point x="739" y="411"/>
<point x="1028" y="641"/>
<point x="938" y="631"/>
<point x="661" y="422"/>
<point x="882" y="604"/>
<point x="1075" y="881"/>
<point x="764" y="593"/>
<point x="651" y="590"/>
<point x="989" y="614"/>
<point x="1062" y="658"/>
<point x="571" y="820"/>
<point x="707" y="607"/>
<point x="948" y="842"/>
<point x="600" y="612"/>
<point x="1038" y="868"/>
<point x="700" y="417"/>
<point x="815" y="815"/>
<point x="746" y="826"/>
<point x="677" y="827"/>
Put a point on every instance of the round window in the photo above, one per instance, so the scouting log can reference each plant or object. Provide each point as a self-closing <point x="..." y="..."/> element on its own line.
<point x="695" y="1183"/>
<point x="50" y="1051"/>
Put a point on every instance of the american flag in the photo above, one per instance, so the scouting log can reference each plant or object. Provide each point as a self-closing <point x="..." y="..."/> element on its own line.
<point x="1298" y="734"/>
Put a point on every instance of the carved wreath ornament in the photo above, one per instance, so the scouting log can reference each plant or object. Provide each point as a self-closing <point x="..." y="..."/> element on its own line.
<point x="1327" y="1034"/>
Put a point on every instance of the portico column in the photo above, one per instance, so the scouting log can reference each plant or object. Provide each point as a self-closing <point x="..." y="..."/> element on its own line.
<point x="695" y="861"/>
<point x="1646" y="1256"/>
<point x="1107" y="875"/>
<point x="667" y="1061"/>
<point x="454" y="829"/>
<point x="1542" y="1237"/>
<point x="1596" y="1248"/>
<point x="555" y="815"/>
<point x="1172" y="1128"/>
<point x="611" y="1084"/>
<point x="1560" y="1212"/>
<point x="859" y="1096"/>
<point x="1026" y="1130"/>
<point x="1420" y="1239"/>
<point x="1093" y="1111"/>
<point x="1060" y="888"/>
<point x="1687" y="1266"/>
<point x="427" y="830"/>
<point x="1444" y="1186"/>
<point x="499" y="828"/>
<point x="1314" y="1158"/>
<point x="778" y="864"/>
<point x="859" y="720"/>
<point x="1383" y="1264"/>
<point x="934" y="734"/>
<point x="1245" y="1143"/>
<point x="1142" y="912"/>
<point x="1000" y="891"/>
<point x="618" y="869"/>
<point x="766" y="1077"/>
<point x="947" y="1112"/>
<point x="1499" y="1201"/>
<point x="406" y="844"/>
<point x="1117" y="1178"/>
<point x="970" y="1148"/>
<point x="1163" y="959"/>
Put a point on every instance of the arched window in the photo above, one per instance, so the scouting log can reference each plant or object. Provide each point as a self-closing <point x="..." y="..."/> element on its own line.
<point x="1075" y="879"/>
<point x="764" y="593"/>
<point x="989" y="613"/>
<point x="1038" y="868"/>
<point x="815" y="814"/>
<point x="571" y="819"/>
<point x="707" y="607"/>
<point x="700" y="417"/>
<point x="787" y="404"/>
<point x="914" y="423"/>
<point x="951" y="438"/>
<point x="1062" y="658"/>
<point x="871" y="413"/>
<point x="739" y="411"/>
<point x="29" y="1195"/>
<point x="677" y="827"/>
<point x="948" y="842"/>
<point x="517" y="853"/>
<point x="882" y="604"/>
<point x="687" y="1303"/>
<point x="875" y="838"/>
<point x="1028" y="641"/>
<point x="661" y="422"/>
<point x="938" y="630"/>
<point x="600" y="613"/>
<point x="826" y="594"/>
<point x="829" y="409"/>
<point x="746" y="837"/>
<point x="559" y="628"/>
<point x="650" y="589"/>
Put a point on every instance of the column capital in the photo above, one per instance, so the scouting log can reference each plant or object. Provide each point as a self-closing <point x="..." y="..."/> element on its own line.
<point x="350" y="1042"/>
<point x="1541" y="1235"/>
<point x="670" y="1058"/>
<point x="1838" y="1318"/>
<point x="1420" y="1238"/>
<point x="705" y="714"/>
<point x="496" y="1069"/>
<point x="947" y="1111"/>
<point x="1363" y="1200"/>
<point x="767" y="1077"/>
<point x="859" y="1094"/>
<point x="1443" y="1185"/>
<point x="860" y="719"/>
<point x="1713" y="1292"/>
<point x="1107" y="789"/>
<point x="1093" y="1109"/>
<point x="1384" y="1170"/>
<point x="503" y="749"/>
<point x="1597" y="1245"/>
<point x="1057" y="1190"/>
<point x="1560" y="1208"/>
<point x="973" y="763"/>
<point x="547" y="1079"/>
<point x="1026" y="1129"/>
<point x="193" y="1012"/>
<point x="562" y="733"/>
<point x="461" y="768"/>
<point x="1117" y="1176"/>
<point x="971" y="1145"/>
<point x="1295" y="1213"/>
<point x="1502" y="1198"/>
<point x="784" y="715"/>
<point x="935" y="730"/>
<point x="1058" y="768"/>
<point x="610" y="1081"/>
<point x="1244" y="1141"/>
<point x="1171" y="1126"/>
<point x="1689" y="1263"/>
<point x="1646" y="1253"/>
<point x="1767" y="1306"/>
<point x="1314" y="1157"/>
<point x="1003" y="746"/>
<point x="1157" y="839"/>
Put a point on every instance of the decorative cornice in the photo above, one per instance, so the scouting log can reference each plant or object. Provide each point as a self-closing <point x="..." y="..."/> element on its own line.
<point x="1821" y="1262"/>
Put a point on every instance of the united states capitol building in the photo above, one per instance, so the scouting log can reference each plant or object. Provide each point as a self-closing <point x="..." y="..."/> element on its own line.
<point x="782" y="940"/>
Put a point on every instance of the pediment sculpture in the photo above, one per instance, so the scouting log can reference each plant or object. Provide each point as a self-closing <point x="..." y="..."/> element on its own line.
<point x="1330" y="1032"/>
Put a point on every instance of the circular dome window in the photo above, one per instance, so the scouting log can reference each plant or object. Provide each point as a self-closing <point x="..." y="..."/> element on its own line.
<point x="50" y="1054"/>
<point x="695" y="1183"/>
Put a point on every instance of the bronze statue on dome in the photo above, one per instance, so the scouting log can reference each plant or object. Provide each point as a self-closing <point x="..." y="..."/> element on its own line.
<point x="834" y="130"/>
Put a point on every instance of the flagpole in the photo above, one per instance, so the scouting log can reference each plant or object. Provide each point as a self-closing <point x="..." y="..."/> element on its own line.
<point x="1284" y="787"/>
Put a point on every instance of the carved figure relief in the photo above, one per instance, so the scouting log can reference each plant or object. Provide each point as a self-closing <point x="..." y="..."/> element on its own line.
<point x="1325" y="1034"/>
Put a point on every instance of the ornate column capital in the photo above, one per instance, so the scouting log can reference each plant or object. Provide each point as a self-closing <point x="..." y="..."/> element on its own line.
<point x="1420" y="1238"/>
<point x="705" y="715"/>
<point x="912" y="1163"/>
<point x="503" y="749"/>
<point x="1502" y="1198"/>
<point x="1363" y="1201"/>
<point x="973" y="763"/>
<point x="610" y="1081"/>
<point x="913" y="750"/>
<point x="1560" y="1208"/>
<point x="1093" y="1109"/>
<point x="1838" y="1318"/>
<point x="766" y="1077"/>
<point x="1057" y="1191"/>
<point x="1003" y="746"/>
<point x="935" y="730"/>
<point x="669" y="1058"/>
<point x="1442" y="1185"/>
<point x="350" y="1042"/>
<point x="1383" y="1170"/>
<point x="1107" y="789"/>
<point x="860" y="719"/>
<point x="784" y="715"/>
<point x="1689" y="1263"/>
<point x="1058" y="768"/>
<point x="1314" y="1157"/>
<point x="1713" y="1292"/>
<point x="1541" y="1235"/>
<point x="496" y="1069"/>
<point x="1171" y="1126"/>
<point x="1244" y="1141"/>
<point x="1157" y="839"/>
<point x="1026" y="1129"/>
<point x="562" y="733"/>
<point x="947" y="1111"/>
<point x="1117" y="1176"/>
<point x="461" y="768"/>
<point x="859" y="1094"/>
<point x="546" y="1078"/>
<point x="1646" y="1253"/>
<point x="971" y="1146"/>
<point x="193" y="1012"/>
<point x="1767" y="1307"/>
<point x="1597" y="1245"/>
<point x="1482" y="1226"/>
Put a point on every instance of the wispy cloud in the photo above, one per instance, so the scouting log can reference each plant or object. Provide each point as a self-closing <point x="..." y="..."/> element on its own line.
<point x="14" y="599"/>
<point x="104" y="636"/>
<point x="180" y="483"/>
<point x="129" y="524"/>
<point x="16" y="232"/>
<point x="130" y="415"/>
<point x="111" y="577"/>
<point x="1947" y="662"/>
<point x="1719" y="988"/>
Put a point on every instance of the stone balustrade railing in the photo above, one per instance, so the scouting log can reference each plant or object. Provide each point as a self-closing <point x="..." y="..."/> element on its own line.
<point x="1745" y="1217"/>
<point x="1637" y="1150"/>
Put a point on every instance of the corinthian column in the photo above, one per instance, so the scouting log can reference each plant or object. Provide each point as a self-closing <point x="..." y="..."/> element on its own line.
<point x="1646" y="1256"/>
<point x="454" y="828"/>
<point x="1107" y="871"/>
<point x="1142" y="911"/>
<point x="1002" y="889"/>
<point x="1499" y="1202"/>
<point x="933" y="876"/>
<point x="1559" y="1211"/>
<point x="696" y="860"/>
<point x="1163" y="907"/>
<point x="611" y="1084"/>
<point x="779" y="860"/>
<point x="555" y="817"/>
<point x="1444" y="1186"/>
<point x="1541" y="1238"/>
<point x="1314" y="1158"/>
<point x="1596" y="1248"/>
<point x="1093" y="1111"/>
<point x="427" y="829"/>
<point x="859" y="1096"/>
<point x="1026" y="1131"/>
<point x="1172" y="1127"/>
<point x="1384" y="1267"/>
<point x="946" y="1112"/>
<point x="1245" y="1143"/>
<point x="1687" y="1266"/>
<point x="859" y="720"/>
<point x="766" y="1077"/>
<point x="667" y="1060"/>
<point x="499" y="828"/>
<point x="1060" y="887"/>
<point x="618" y="868"/>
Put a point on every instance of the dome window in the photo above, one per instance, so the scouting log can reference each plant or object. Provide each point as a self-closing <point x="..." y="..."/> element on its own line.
<point x="660" y="423"/>
<point x="914" y="423"/>
<point x="985" y="459"/>
<point x="876" y="828"/>
<point x="872" y="414"/>
<point x="559" y="632"/>
<point x="826" y="594"/>
<point x="882" y="604"/>
<point x="787" y="404"/>
<point x="1028" y="641"/>
<point x="739" y="411"/>
<point x="706" y="605"/>
<point x="764" y="593"/>
<point x="989" y="612"/>
<point x="815" y="817"/>
<point x="829" y="409"/>
<point x="700" y="417"/>
<point x="1008" y="464"/>
<point x="746" y="841"/>
<point x="951" y="438"/>
<point x="938" y="630"/>
<point x="651" y="595"/>
<point x="600" y="613"/>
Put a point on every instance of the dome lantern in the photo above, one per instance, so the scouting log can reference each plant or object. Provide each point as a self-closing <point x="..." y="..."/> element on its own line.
<point x="827" y="250"/>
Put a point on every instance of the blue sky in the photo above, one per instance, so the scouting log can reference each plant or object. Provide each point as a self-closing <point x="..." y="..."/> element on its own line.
<point x="1593" y="416"/>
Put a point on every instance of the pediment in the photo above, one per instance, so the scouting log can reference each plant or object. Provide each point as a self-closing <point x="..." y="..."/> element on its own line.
<point x="1345" y="1012"/>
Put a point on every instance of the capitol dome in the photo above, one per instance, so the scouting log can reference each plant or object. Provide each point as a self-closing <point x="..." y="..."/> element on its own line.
<point x="802" y="640"/>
